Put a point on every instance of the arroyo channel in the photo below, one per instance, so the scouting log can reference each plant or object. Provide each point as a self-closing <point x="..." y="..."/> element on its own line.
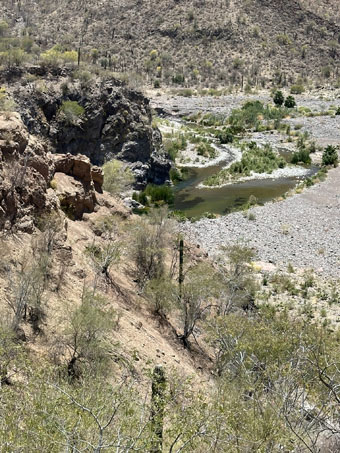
<point x="194" y="199"/>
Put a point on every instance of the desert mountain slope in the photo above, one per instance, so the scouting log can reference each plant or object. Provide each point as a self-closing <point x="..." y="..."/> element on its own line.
<point x="258" y="41"/>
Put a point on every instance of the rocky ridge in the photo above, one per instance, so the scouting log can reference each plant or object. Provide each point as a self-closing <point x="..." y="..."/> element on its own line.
<point x="116" y="122"/>
<point x="28" y="171"/>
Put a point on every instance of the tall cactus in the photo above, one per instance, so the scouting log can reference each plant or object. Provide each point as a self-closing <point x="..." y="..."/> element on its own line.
<point x="157" y="408"/>
<point x="181" y="277"/>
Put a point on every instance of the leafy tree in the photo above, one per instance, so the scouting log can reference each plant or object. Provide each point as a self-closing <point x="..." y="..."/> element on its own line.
<point x="149" y="238"/>
<point x="117" y="177"/>
<point x="278" y="98"/>
<point x="330" y="156"/>
<point x="84" y="337"/>
<point x="290" y="102"/>
<point x="199" y="290"/>
<point x="237" y="275"/>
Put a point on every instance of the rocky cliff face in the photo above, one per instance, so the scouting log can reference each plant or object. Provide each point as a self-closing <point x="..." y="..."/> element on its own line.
<point x="116" y="123"/>
<point x="26" y="172"/>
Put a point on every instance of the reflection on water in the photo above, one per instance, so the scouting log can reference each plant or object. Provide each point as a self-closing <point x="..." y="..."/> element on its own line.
<point x="222" y="200"/>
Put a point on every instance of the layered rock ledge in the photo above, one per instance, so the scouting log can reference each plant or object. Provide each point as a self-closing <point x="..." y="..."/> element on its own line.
<point x="33" y="181"/>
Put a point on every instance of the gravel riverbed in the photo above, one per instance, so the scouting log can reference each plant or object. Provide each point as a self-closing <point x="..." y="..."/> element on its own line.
<point x="303" y="230"/>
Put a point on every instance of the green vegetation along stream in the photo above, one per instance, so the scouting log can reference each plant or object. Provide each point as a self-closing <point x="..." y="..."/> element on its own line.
<point x="195" y="201"/>
<point x="238" y="168"/>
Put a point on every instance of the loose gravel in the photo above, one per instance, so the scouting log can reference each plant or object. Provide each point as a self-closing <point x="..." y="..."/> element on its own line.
<point x="303" y="230"/>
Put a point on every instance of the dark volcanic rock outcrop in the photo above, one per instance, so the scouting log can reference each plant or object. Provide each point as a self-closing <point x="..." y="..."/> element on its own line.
<point x="116" y="123"/>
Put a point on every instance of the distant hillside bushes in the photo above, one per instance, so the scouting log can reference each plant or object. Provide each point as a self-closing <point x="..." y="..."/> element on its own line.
<point x="253" y="113"/>
<point x="297" y="89"/>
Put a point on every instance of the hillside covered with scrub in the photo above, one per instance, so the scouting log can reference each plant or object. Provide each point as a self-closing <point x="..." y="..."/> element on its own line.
<point x="118" y="335"/>
<point x="169" y="267"/>
<point x="195" y="42"/>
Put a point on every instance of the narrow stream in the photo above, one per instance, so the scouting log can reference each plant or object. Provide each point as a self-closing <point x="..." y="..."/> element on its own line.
<point x="194" y="201"/>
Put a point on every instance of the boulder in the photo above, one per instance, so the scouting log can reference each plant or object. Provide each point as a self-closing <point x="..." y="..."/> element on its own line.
<point x="97" y="176"/>
<point x="78" y="166"/>
<point x="75" y="198"/>
<point x="13" y="134"/>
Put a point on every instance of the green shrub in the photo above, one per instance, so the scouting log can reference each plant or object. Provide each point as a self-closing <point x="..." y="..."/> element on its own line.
<point x="211" y="119"/>
<point x="330" y="156"/>
<point x="71" y="111"/>
<point x="6" y="103"/>
<point x="178" y="79"/>
<point x="160" y="194"/>
<point x="278" y="98"/>
<point x="185" y="92"/>
<point x="84" y="77"/>
<point x="117" y="179"/>
<point x="326" y="72"/>
<point x="312" y="147"/>
<point x="251" y="114"/>
<point x="206" y="150"/>
<point x="174" y="145"/>
<point x="155" y="194"/>
<point x="301" y="156"/>
<point x="175" y="175"/>
<point x="254" y="159"/>
<point x="247" y="116"/>
<point x="3" y="28"/>
<point x="161" y="295"/>
<point x="56" y="55"/>
<point x="141" y="198"/>
<point x="283" y="40"/>
<point x="258" y="160"/>
<point x="290" y="102"/>
<point x="53" y="184"/>
<point x="225" y="136"/>
<point x="297" y="89"/>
